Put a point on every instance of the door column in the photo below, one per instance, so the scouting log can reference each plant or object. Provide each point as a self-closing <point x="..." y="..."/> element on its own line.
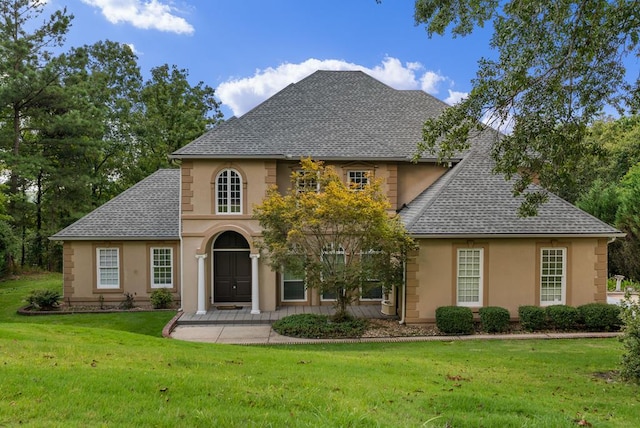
<point x="255" y="289"/>
<point x="201" y="303"/>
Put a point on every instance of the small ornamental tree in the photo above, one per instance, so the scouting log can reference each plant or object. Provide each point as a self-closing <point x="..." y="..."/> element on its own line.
<point x="343" y="240"/>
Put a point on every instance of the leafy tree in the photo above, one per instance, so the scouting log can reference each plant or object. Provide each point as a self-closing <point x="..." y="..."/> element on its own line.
<point x="27" y="70"/>
<point x="559" y="64"/>
<point x="628" y="221"/>
<point x="339" y="238"/>
<point x="171" y="113"/>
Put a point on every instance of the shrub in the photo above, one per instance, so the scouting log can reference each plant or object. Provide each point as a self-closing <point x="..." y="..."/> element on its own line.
<point x="494" y="319"/>
<point x="161" y="298"/>
<point x="454" y="320"/>
<point x="128" y="302"/>
<point x="532" y="318"/>
<point x="44" y="300"/>
<point x="600" y="317"/>
<point x="630" y="363"/>
<point x="562" y="317"/>
<point x="316" y="326"/>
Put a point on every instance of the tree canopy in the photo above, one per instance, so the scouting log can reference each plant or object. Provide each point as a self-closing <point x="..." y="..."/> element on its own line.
<point x="559" y="64"/>
<point x="79" y="127"/>
<point x="341" y="239"/>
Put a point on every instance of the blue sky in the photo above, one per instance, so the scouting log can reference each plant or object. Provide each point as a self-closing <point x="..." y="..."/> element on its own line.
<point x="250" y="49"/>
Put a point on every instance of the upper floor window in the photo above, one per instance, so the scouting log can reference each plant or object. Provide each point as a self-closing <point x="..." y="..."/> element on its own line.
<point x="229" y="192"/>
<point x="307" y="182"/>
<point x="357" y="180"/>
<point x="552" y="276"/>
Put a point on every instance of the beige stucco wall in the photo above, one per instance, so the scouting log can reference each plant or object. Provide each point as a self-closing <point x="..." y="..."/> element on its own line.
<point x="135" y="278"/>
<point x="511" y="273"/>
<point x="201" y="225"/>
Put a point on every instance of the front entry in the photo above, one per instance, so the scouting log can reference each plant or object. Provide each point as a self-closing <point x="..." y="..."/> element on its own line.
<point x="231" y="269"/>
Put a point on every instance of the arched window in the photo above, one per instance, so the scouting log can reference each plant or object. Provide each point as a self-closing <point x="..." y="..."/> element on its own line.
<point x="229" y="192"/>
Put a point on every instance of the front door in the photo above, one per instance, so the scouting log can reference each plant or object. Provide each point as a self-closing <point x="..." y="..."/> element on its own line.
<point x="231" y="269"/>
<point x="232" y="276"/>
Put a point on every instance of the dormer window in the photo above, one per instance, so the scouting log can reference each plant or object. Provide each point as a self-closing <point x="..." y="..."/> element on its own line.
<point x="228" y="192"/>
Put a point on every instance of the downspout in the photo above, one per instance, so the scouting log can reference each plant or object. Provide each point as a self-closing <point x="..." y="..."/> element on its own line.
<point x="181" y="245"/>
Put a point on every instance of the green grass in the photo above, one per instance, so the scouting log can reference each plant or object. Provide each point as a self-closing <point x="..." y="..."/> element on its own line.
<point x="70" y="375"/>
<point x="14" y="292"/>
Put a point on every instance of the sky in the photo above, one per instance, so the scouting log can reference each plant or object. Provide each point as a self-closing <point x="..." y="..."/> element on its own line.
<point x="248" y="50"/>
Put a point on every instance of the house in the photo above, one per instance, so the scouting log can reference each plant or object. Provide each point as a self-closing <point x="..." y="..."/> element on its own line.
<point x="191" y="230"/>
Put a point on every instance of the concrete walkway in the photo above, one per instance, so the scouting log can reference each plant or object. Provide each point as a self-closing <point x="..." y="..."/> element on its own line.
<point x="263" y="335"/>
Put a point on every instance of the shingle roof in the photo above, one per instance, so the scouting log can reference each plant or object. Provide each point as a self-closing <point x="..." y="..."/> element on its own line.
<point x="345" y="115"/>
<point x="469" y="200"/>
<point x="328" y="115"/>
<point x="148" y="210"/>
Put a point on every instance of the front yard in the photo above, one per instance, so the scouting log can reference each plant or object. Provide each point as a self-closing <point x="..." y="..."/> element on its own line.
<point x="56" y="371"/>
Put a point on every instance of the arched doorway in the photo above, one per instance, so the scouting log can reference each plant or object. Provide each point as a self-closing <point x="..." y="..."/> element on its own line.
<point x="231" y="269"/>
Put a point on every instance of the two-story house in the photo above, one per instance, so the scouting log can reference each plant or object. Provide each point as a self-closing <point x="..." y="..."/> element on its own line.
<point x="192" y="230"/>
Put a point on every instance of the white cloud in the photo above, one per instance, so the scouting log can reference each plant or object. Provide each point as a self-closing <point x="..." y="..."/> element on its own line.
<point x="455" y="97"/>
<point x="152" y="14"/>
<point x="242" y="94"/>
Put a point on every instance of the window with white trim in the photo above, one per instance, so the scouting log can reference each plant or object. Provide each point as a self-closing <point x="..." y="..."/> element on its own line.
<point x="469" y="277"/>
<point x="294" y="288"/>
<point x="306" y="182"/>
<point x="372" y="289"/>
<point x="552" y="275"/>
<point x="357" y="180"/>
<point x="108" y="268"/>
<point x="162" y="267"/>
<point x="228" y="192"/>
<point x="334" y="260"/>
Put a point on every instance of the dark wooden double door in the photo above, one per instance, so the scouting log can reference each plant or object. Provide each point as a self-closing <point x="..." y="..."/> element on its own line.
<point x="231" y="269"/>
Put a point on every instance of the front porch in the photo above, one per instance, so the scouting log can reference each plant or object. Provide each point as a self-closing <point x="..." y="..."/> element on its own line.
<point x="243" y="315"/>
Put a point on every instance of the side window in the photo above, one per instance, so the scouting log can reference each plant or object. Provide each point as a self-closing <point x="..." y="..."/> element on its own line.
<point x="552" y="276"/>
<point x="469" y="276"/>
<point x="228" y="192"/>
<point x="161" y="268"/>
<point x="307" y="182"/>
<point x="108" y="268"/>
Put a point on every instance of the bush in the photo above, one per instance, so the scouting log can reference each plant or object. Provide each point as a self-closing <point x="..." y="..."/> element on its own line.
<point x="562" y="317"/>
<point x="600" y="317"/>
<point x="630" y="363"/>
<point x="454" y="320"/>
<point x="128" y="302"/>
<point x="316" y="326"/>
<point x="161" y="298"/>
<point x="44" y="300"/>
<point x="532" y="318"/>
<point x="494" y="319"/>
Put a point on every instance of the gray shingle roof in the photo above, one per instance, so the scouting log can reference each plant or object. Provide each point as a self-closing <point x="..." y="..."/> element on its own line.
<point x="328" y="115"/>
<point x="148" y="210"/>
<point x="471" y="201"/>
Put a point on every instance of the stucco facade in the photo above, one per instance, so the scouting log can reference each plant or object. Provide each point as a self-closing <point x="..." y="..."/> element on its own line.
<point x="192" y="230"/>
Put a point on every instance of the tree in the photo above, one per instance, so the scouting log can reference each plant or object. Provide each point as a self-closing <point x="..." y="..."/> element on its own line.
<point x="171" y="114"/>
<point x="26" y="69"/>
<point x="341" y="239"/>
<point x="559" y="64"/>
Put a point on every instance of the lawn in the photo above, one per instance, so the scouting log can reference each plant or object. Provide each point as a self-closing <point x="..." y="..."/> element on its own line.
<point x="71" y="375"/>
